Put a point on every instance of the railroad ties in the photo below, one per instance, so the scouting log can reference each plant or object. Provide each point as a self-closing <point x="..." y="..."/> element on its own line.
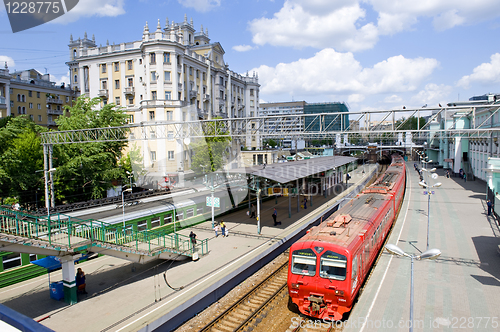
<point x="248" y="311"/>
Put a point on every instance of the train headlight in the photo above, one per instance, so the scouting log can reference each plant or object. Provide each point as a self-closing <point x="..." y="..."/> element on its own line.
<point x="339" y="292"/>
<point x="294" y="285"/>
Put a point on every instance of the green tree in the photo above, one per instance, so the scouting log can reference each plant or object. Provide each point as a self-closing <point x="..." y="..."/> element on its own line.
<point x="413" y="123"/>
<point x="86" y="170"/>
<point x="21" y="156"/>
<point x="211" y="153"/>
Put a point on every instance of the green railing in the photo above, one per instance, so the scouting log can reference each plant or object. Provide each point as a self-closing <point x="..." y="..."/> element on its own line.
<point x="77" y="234"/>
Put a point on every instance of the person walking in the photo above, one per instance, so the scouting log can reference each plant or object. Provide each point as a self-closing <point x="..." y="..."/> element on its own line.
<point x="275" y="215"/>
<point x="192" y="236"/>
<point x="223" y="228"/>
<point x="490" y="206"/>
<point x="216" y="229"/>
<point x="252" y="211"/>
<point x="465" y="177"/>
<point x="447" y="174"/>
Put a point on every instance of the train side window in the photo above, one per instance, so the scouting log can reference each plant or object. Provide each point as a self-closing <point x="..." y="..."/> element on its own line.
<point x="304" y="262"/>
<point x="354" y="272"/>
<point x="333" y="266"/>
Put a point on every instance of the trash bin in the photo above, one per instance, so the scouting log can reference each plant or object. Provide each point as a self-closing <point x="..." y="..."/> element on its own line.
<point x="57" y="290"/>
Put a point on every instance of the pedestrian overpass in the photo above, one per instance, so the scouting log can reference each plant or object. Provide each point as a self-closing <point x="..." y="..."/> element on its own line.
<point x="56" y="236"/>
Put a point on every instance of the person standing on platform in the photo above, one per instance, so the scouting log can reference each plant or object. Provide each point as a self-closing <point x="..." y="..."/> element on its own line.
<point x="80" y="281"/>
<point x="223" y="228"/>
<point x="447" y="174"/>
<point x="275" y="215"/>
<point x="216" y="229"/>
<point x="465" y="177"/>
<point x="252" y="211"/>
<point x="490" y="206"/>
<point x="305" y="203"/>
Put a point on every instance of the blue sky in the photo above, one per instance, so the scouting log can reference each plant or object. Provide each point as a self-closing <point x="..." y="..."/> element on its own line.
<point x="372" y="54"/>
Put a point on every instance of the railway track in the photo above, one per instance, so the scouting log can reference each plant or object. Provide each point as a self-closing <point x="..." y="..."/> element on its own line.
<point x="249" y="310"/>
<point x="302" y="324"/>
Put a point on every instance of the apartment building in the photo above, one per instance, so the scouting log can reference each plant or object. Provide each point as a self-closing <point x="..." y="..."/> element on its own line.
<point x="32" y="94"/>
<point x="170" y="75"/>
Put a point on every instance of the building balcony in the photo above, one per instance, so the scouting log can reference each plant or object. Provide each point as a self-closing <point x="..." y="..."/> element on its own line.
<point x="3" y="102"/>
<point x="54" y="101"/>
<point x="103" y="93"/>
<point x="206" y="97"/>
<point x="192" y="94"/>
<point x="51" y="123"/>
<point x="54" y="112"/>
<point x="129" y="90"/>
<point x="162" y="103"/>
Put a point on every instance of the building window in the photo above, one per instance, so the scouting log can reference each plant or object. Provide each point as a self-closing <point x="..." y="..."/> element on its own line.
<point x="117" y="66"/>
<point x="104" y="85"/>
<point x="251" y="92"/>
<point x="130" y="82"/>
<point x="130" y="100"/>
<point x="117" y="100"/>
<point x="221" y="80"/>
<point x="67" y="99"/>
<point x="105" y="101"/>
<point x="170" y="135"/>
<point x="39" y="118"/>
<point x="153" y="156"/>
<point x="130" y="118"/>
<point x="152" y="57"/>
<point x="103" y="68"/>
<point x="18" y="97"/>
<point x="31" y="117"/>
<point x="167" y="76"/>
<point x="166" y="57"/>
<point x="171" y="155"/>
<point x="251" y="103"/>
<point x="170" y="115"/>
<point x="75" y="79"/>
<point x="190" y="71"/>
<point x="30" y="93"/>
<point x="153" y="77"/>
<point x="204" y="76"/>
<point x="39" y="106"/>
<point x="31" y="105"/>
<point x="117" y="84"/>
<point x="129" y="65"/>
<point x="151" y="115"/>
<point x="38" y="94"/>
<point x="168" y="95"/>
<point x="153" y="95"/>
<point x="197" y="73"/>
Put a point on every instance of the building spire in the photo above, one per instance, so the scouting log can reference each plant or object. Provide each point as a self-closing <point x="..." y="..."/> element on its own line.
<point x="185" y="18"/>
<point x="71" y="38"/>
<point x="191" y="21"/>
<point x="146" y="28"/>
<point x="158" y="27"/>
<point x="85" y="35"/>
<point x="167" y="23"/>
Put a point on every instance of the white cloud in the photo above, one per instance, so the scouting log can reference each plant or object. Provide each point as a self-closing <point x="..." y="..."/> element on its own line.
<point x="202" y="6"/>
<point x="318" y="24"/>
<point x="63" y="79"/>
<point x="243" y="48"/>
<point x="432" y="95"/>
<point x="331" y="72"/>
<point x="87" y="8"/>
<point x="485" y="73"/>
<point x="393" y="99"/>
<point x="343" y="24"/>
<point x="9" y="60"/>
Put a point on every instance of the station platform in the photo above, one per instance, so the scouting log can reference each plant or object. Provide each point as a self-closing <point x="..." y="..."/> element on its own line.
<point x="123" y="296"/>
<point x="461" y="289"/>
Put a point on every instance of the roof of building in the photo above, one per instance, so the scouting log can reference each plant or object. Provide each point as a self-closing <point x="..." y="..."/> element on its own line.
<point x="291" y="171"/>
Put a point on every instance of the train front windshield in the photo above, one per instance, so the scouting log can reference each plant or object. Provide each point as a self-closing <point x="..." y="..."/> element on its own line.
<point x="333" y="266"/>
<point x="304" y="262"/>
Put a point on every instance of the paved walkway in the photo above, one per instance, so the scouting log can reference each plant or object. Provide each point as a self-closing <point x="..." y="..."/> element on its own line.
<point x="127" y="297"/>
<point x="460" y="290"/>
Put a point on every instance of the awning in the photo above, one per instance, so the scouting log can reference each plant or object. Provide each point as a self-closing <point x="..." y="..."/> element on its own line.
<point x="52" y="263"/>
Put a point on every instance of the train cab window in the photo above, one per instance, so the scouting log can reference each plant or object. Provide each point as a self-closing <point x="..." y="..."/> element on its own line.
<point x="304" y="262"/>
<point x="333" y="266"/>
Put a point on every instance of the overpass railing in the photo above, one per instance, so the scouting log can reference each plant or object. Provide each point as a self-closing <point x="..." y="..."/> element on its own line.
<point x="78" y="235"/>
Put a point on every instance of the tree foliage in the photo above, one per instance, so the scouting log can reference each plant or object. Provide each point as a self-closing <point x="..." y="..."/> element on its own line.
<point x="413" y="123"/>
<point x="21" y="160"/>
<point x="212" y="152"/>
<point x="86" y="170"/>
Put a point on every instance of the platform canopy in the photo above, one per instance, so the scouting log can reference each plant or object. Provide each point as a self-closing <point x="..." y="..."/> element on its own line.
<point x="291" y="171"/>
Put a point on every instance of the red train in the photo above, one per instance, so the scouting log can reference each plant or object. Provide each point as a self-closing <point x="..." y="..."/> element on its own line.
<point x="329" y="264"/>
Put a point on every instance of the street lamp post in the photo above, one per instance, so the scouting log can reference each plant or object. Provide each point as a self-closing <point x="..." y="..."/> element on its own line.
<point x="429" y="193"/>
<point x="123" y="207"/>
<point x="428" y="254"/>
